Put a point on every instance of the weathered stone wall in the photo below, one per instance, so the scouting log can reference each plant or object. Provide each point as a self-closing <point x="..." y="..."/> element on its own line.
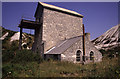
<point x="90" y="47"/>
<point x="70" y="53"/>
<point x="59" y="26"/>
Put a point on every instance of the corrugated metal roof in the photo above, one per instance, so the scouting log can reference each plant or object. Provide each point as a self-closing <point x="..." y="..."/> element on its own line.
<point x="64" y="45"/>
<point x="60" y="9"/>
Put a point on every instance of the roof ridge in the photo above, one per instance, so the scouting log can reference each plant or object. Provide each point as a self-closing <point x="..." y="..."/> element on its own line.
<point x="60" y="9"/>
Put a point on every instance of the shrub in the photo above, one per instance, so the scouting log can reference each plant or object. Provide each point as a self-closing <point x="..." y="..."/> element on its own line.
<point x="117" y="71"/>
<point x="102" y="51"/>
<point x="14" y="45"/>
<point x="20" y="56"/>
<point x="12" y="70"/>
<point x="8" y="71"/>
<point x="26" y="56"/>
<point x="7" y="55"/>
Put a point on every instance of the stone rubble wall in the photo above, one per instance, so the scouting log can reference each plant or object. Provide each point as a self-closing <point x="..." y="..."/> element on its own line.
<point x="70" y="53"/>
<point x="59" y="26"/>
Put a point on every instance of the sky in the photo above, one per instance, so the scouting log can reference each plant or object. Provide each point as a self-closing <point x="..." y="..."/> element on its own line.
<point x="98" y="16"/>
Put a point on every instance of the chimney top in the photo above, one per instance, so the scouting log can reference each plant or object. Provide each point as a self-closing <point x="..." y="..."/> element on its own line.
<point x="87" y="35"/>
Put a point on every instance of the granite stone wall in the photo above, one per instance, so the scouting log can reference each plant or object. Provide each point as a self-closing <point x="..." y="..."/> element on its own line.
<point x="70" y="53"/>
<point x="59" y="26"/>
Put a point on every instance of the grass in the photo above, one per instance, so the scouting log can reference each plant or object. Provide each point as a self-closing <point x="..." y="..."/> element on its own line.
<point x="64" y="69"/>
<point x="27" y="64"/>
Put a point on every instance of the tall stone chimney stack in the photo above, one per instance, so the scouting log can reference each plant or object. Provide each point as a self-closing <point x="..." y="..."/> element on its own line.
<point x="87" y="35"/>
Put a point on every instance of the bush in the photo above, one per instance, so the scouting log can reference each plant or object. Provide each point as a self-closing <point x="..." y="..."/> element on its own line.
<point x="14" y="45"/>
<point x="8" y="71"/>
<point x="103" y="52"/>
<point x="20" y="56"/>
<point x="12" y="70"/>
<point x="7" y="55"/>
<point x="117" y="71"/>
<point x="26" y="56"/>
<point x="7" y="45"/>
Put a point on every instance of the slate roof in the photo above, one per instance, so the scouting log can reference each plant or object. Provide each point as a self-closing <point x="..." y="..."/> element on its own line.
<point x="64" y="45"/>
<point x="60" y="9"/>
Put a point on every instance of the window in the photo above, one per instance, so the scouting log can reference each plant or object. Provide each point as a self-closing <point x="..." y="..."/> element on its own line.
<point x="78" y="55"/>
<point x="91" y="55"/>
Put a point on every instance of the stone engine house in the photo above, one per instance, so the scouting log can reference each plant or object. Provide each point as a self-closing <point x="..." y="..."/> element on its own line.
<point x="59" y="34"/>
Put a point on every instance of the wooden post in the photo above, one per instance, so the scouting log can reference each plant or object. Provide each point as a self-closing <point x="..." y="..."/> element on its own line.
<point x="20" y="39"/>
<point x="36" y="33"/>
<point x="83" y="43"/>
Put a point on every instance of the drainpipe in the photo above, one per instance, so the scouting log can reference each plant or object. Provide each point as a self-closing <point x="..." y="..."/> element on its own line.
<point x="83" y="43"/>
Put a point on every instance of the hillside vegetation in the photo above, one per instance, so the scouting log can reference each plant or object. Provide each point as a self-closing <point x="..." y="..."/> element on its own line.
<point x="27" y="64"/>
<point x="8" y="41"/>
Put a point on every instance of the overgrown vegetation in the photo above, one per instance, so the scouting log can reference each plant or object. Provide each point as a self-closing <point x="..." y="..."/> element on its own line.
<point x="14" y="62"/>
<point x="28" y="64"/>
<point x="111" y="52"/>
<point x="25" y="63"/>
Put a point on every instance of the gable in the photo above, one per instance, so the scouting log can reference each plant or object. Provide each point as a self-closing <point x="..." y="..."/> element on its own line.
<point x="42" y="5"/>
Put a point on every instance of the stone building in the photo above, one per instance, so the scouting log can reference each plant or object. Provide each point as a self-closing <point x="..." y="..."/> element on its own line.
<point x="59" y="34"/>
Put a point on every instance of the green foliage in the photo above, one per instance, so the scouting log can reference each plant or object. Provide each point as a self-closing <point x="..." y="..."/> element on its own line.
<point x="117" y="71"/>
<point x="25" y="63"/>
<point x="7" y="55"/>
<point x="106" y="68"/>
<point x="6" y="41"/>
<point x="8" y="70"/>
<point x="103" y="52"/>
<point x="110" y="53"/>
<point x="14" y="45"/>
<point x="5" y="45"/>
<point x="26" y="56"/>
<point x="22" y="56"/>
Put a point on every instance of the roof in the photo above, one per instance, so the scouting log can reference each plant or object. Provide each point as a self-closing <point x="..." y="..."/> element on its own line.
<point x="60" y="9"/>
<point x="64" y="45"/>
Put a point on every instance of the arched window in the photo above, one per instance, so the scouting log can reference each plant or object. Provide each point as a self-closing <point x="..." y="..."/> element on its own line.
<point x="78" y="55"/>
<point x="91" y="55"/>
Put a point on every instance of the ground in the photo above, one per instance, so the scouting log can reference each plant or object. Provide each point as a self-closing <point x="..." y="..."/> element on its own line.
<point x="27" y="64"/>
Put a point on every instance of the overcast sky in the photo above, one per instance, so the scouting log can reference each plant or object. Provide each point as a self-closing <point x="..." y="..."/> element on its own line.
<point x="98" y="17"/>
